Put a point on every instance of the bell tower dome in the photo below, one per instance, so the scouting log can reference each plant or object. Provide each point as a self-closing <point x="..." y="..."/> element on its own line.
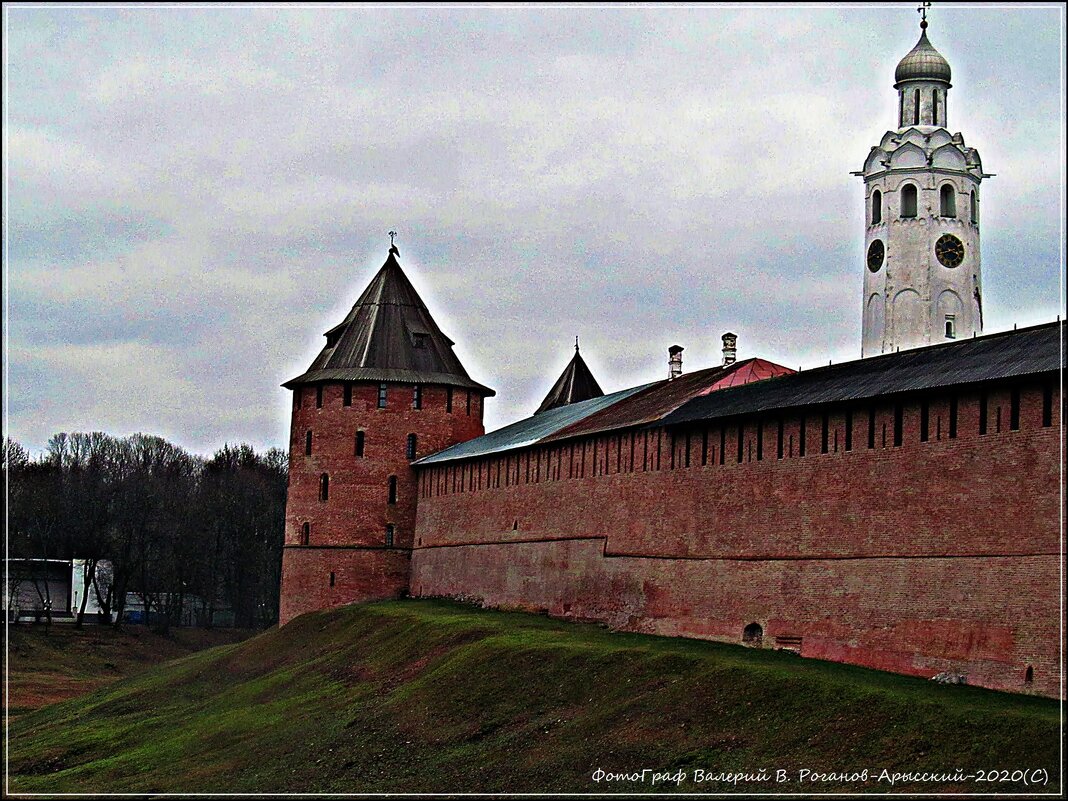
<point x="922" y="282"/>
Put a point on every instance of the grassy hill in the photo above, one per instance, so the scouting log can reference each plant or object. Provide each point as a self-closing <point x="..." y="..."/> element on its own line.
<point x="47" y="665"/>
<point x="433" y="696"/>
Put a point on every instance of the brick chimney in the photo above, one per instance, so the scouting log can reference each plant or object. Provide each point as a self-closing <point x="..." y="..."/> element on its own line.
<point x="730" y="348"/>
<point x="674" y="361"/>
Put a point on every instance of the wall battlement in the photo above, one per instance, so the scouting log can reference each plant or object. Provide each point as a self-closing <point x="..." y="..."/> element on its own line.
<point x="940" y="553"/>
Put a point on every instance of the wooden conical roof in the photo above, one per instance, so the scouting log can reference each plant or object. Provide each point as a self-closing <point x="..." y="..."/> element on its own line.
<point x="575" y="384"/>
<point x="388" y="336"/>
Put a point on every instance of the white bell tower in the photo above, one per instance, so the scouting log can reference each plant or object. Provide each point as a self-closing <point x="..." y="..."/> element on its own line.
<point x="922" y="283"/>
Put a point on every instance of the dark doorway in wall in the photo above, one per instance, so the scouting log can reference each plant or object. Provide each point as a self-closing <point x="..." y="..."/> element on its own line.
<point x="753" y="634"/>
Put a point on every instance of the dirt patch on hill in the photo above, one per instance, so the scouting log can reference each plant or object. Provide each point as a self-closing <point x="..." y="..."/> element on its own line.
<point x="48" y="665"/>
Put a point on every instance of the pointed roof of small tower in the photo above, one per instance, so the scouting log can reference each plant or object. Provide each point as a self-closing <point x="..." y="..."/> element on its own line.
<point x="388" y="336"/>
<point x="575" y="384"/>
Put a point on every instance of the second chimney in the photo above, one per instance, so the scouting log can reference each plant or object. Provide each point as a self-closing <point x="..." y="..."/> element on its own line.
<point x="730" y="348"/>
<point x="674" y="361"/>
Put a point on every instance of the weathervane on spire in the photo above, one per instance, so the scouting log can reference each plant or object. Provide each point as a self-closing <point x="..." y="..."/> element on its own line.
<point x="922" y="9"/>
<point x="392" y="247"/>
<point x="576" y="343"/>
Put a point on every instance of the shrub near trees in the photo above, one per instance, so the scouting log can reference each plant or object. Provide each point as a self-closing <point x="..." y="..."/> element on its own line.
<point x="170" y="526"/>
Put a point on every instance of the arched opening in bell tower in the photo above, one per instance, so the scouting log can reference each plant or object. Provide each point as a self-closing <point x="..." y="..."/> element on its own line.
<point x="908" y="201"/>
<point x="947" y="197"/>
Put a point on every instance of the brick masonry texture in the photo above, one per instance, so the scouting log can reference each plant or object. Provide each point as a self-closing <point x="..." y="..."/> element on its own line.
<point x="923" y="557"/>
<point x="357" y="508"/>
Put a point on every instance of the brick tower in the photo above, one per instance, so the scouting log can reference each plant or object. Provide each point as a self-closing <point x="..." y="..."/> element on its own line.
<point x="386" y="389"/>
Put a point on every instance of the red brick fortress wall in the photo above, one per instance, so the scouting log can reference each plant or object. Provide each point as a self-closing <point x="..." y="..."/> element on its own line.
<point x="345" y="557"/>
<point x="320" y="578"/>
<point x="932" y="555"/>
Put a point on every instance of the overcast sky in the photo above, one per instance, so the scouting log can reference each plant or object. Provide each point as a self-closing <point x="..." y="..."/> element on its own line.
<point x="194" y="195"/>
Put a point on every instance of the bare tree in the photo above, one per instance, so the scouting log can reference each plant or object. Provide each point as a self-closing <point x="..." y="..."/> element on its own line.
<point x="145" y="516"/>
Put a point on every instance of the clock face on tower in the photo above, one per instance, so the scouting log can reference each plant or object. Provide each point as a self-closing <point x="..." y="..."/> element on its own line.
<point x="876" y="251"/>
<point x="949" y="250"/>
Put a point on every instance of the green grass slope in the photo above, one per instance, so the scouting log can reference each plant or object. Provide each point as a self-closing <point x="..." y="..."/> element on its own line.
<point x="47" y="665"/>
<point x="427" y="696"/>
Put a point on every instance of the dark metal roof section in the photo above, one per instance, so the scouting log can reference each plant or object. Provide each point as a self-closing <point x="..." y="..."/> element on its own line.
<point x="388" y="336"/>
<point x="1028" y="351"/>
<point x="575" y="384"/>
<point x="655" y="402"/>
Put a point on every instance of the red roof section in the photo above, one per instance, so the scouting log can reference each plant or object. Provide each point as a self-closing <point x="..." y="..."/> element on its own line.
<point x="747" y="372"/>
<point x="664" y="397"/>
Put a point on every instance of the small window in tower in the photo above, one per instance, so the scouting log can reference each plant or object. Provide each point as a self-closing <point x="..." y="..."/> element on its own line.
<point x="916" y="107"/>
<point x="359" y="443"/>
<point x="1029" y="675"/>
<point x="849" y="431"/>
<point x="951" y="326"/>
<point x="307" y="443"/>
<point x="382" y="396"/>
<point x="298" y="398"/>
<point x="331" y="578"/>
<point x="908" y="201"/>
<point x="419" y="341"/>
<point x="305" y="531"/>
<point x="318" y="397"/>
<point x="392" y="489"/>
<point x="975" y="207"/>
<point x="876" y="207"/>
<point x="389" y="535"/>
<point x="871" y="427"/>
<point x="448" y="400"/>
<point x="410" y="451"/>
<point x="348" y="395"/>
<point x="417" y="397"/>
<point x="947" y="201"/>
<point x="324" y="487"/>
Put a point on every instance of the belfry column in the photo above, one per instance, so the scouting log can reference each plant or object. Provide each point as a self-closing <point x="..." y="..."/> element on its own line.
<point x="922" y="282"/>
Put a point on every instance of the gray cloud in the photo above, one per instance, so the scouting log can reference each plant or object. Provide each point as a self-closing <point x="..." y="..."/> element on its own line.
<point x="195" y="195"/>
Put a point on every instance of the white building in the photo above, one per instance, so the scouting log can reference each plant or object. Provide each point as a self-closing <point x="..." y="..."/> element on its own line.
<point x="56" y="584"/>
<point x="922" y="284"/>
